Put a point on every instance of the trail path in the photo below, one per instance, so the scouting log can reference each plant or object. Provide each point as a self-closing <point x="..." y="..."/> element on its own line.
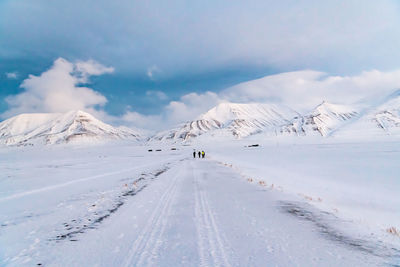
<point x="201" y="213"/>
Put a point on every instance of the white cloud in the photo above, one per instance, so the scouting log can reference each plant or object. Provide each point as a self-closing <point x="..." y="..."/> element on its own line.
<point x="58" y="90"/>
<point x="190" y="106"/>
<point x="151" y="71"/>
<point x="132" y="118"/>
<point x="186" y="108"/>
<point x="12" y="75"/>
<point x="305" y="89"/>
<point x="87" y="68"/>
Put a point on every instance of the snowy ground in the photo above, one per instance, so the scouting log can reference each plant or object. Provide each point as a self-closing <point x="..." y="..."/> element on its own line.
<point x="280" y="205"/>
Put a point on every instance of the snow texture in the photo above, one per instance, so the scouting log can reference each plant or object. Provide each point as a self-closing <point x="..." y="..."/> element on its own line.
<point x="276" y="188"/>
<point x="266" y="205"/>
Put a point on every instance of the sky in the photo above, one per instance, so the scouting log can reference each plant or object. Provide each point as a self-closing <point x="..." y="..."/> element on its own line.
<point x="153" y="64"/>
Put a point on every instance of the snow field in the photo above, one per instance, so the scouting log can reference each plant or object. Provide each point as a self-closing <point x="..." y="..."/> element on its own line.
<point x="59" y="197"/>
<point x="121" y="205"/>
<point x="357" y="182"/>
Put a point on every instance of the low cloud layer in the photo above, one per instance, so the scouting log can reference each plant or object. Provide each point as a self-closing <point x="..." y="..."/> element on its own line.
<point x="186" y="108"/>
<point x="190" y="106"/>
<point x="303" y="90"/>
<point x="59" y="89"/>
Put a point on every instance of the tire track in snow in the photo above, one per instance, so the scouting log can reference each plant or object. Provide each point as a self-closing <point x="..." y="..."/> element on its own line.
<point x="94" y="177"/>
<point x="211" y="248"/>
<point x="150" y="239"/>
<point x="216" y="230"/>
<point x="200" y="224"/>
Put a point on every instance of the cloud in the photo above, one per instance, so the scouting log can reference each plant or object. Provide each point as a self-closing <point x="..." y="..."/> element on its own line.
<point x="137" y="120"/>
<point x="305" y="89"/>
<point x="300" y="90"/>
<point x="12" y="75"/>
<point x="151" y="71"/>
<point x="59" y="89"/>
<point x="328" y="35"/>
<point x="190" y="106"/>
<point x="154" y="44"/>
<point x="62" y="88"/>
<point x="84" y="69"/>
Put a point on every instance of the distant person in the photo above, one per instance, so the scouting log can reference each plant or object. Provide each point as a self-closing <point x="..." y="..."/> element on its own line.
<point x="194" y="154"/>
<point x="199" y="154"/>
<point x="203" y="154"/>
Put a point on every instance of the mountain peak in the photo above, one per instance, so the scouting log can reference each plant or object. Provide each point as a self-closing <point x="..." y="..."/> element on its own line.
<point x="232" y="120"/>
<point x="323" y="120"/>
<point x="79" y="113"/>
<point x="230" y="111"/>
<point x="327" y="107"/>
<point x="223" y="111"/>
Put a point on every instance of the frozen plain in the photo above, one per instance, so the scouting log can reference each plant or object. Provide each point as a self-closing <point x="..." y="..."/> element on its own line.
<point x="274" y="205"/>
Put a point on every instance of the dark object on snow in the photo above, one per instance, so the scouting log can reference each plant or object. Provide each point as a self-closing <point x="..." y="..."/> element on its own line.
<point x="150" y="150"/>
<point x="173" y="148"/>
<point x="203" y="154"/>
<point x="194" y="154"/>
<point x="256" y="145"/>
<point x="199" y="153"/>
<point x="158" y="149"/>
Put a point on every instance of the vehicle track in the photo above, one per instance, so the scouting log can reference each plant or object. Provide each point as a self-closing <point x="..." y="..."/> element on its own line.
<point x="80" y="180"/>
<point x="211" y="247"/>
<point x="145" y="248"/>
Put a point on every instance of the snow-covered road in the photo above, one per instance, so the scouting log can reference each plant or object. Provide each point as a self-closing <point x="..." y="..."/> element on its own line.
<point x="181" y="212"/>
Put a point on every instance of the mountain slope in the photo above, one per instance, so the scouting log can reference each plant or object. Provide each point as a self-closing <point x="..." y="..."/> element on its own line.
<point x="231" y="120"/>
<point x="323" y="120"/>
<point x="55" y="128"/>
<point x="381" y="120"/>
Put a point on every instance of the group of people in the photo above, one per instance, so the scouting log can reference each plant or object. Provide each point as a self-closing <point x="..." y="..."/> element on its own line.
<point x="201" y="154"/>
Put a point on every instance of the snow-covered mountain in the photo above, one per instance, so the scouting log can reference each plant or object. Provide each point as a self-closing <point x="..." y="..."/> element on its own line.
<point x="232" y="120"/>
<point x="324" y="119"/>
<point x="380" y="120"/>
<point x="56" y="128"/>
<point x="228" y="121"/>
<point x="236" y="121"/>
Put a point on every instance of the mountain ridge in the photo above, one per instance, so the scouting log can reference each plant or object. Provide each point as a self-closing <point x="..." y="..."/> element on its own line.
<point x="326" y="120"/>
<point x="236" y="119"/>
<point x="58" y="128"/>
<point x="226" y="121"/>
<point x="322" y="120"/>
